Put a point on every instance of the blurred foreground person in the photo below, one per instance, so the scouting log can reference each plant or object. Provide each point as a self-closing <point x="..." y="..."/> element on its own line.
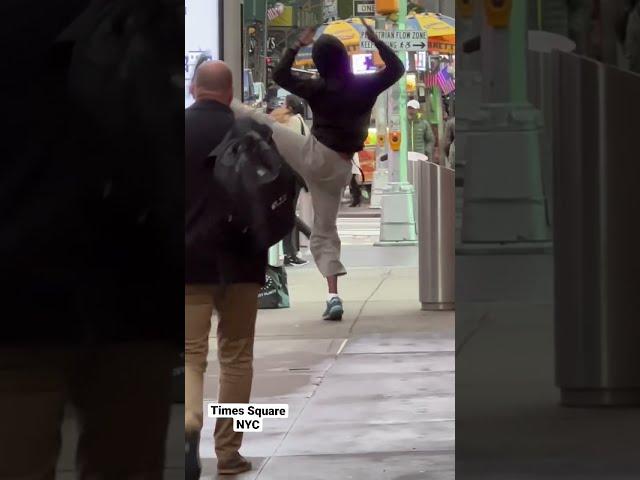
<point x="224" y="278"/>
<point x="629" y="34"/>
<point x="91" y="192"/>
<point x="341" y="103"/>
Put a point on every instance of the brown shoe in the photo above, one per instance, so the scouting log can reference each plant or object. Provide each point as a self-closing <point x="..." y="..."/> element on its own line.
<point x="234" y="465"/>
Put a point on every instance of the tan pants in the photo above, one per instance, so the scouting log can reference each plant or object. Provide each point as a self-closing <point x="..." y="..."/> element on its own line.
<point x="122" y="398"/>
<point x="236" y="307"/>
<point x="326" y="174"/>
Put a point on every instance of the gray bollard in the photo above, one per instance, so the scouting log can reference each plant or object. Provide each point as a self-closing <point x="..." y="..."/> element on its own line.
<point x="413" y="174"/>
<point x="437" y="216"/>
<point x="596" y="255"/>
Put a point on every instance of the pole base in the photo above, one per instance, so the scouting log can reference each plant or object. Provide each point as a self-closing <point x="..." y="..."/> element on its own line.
<point x="380" y="181"/>
<point x="397" y="221"/>
<point x="438" y="307"/>
<point x="600" y="397"/>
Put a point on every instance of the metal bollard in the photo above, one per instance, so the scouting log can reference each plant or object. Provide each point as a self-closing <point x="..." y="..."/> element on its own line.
<point x="413" y="174"/>
<point x="596" y="255"/>
<point x="437" y="216"/>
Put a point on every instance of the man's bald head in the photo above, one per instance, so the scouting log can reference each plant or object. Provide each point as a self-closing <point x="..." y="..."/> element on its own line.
<point x="213" y="81"/>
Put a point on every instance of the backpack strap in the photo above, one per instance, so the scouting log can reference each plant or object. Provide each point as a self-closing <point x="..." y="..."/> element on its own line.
<point x="302" y="129"/>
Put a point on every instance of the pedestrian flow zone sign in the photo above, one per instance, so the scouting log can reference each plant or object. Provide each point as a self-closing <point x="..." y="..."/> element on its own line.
<point x="399" y="40"/>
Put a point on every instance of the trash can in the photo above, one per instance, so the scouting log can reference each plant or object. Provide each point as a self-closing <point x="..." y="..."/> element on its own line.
<point x="596" y="254"/>
<point x="436" y="236"/>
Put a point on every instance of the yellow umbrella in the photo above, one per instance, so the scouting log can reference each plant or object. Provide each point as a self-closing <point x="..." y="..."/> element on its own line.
<point x="435" y="24"/>
<point x="347" y="31"/>
<point x="441" y="30"/>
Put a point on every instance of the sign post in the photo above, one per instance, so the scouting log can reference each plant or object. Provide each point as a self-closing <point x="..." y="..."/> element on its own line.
<point x="397" y="222"/>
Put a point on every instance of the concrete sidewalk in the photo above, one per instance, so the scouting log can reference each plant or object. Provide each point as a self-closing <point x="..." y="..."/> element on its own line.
<point x="371" y="397"/>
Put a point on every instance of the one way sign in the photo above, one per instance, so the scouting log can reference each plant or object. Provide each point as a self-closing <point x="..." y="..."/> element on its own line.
<point x="399" y="40"/>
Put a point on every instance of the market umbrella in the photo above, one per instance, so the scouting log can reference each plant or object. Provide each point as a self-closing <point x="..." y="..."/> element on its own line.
<point x="347" y="31"/>
<point x="441" y="33"/>
<point x="441" y="30"/>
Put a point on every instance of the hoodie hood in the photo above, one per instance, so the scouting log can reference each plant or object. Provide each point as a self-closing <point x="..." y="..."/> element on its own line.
<point x="331" y="58"/>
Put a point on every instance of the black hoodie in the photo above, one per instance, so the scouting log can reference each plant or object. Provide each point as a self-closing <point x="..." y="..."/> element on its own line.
<point x="341" y="101"/>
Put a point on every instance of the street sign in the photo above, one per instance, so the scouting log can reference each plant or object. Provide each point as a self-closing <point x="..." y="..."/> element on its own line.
<point x="399" y="40"/>
<point x="364" y="8"/>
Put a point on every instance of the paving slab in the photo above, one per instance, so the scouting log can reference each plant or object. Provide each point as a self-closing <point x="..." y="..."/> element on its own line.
<point x="353" y="438"/>
<point x="374" y="466"/>
<point x="391" y="364"/>
<point x="396" y="289"/>
<point x="394" y="317"/>
<point x="293" y="355"/>
<point x="404" y="343"/>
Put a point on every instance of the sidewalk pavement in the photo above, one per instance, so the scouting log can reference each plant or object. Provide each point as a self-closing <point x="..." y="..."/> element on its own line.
<point x="371" y="397"/>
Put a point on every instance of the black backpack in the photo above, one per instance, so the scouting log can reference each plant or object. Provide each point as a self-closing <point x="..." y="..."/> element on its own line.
<point x="259" y="186"/>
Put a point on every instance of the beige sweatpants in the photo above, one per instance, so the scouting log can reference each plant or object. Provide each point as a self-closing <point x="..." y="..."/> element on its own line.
<point x="326" y="173"/>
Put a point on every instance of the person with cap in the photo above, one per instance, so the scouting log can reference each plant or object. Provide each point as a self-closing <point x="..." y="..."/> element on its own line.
<point x="421" y="136"/>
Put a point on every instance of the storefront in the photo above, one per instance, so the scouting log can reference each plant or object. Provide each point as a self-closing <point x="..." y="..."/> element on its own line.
<point x="203" y="34"/>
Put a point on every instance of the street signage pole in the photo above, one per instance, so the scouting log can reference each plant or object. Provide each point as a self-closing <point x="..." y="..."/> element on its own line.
<point x="397" y="222"/>
<point x="504" y="215"/>
<point x="381" y="172"/>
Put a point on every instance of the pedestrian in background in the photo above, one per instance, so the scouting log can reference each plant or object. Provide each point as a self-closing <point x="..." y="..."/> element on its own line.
<point x="449" y="141"/>
<point x="354" y="186"/>
<point x="290" y="115"/>
<point x="341" y="103"/>
<point x="421" y="136"/>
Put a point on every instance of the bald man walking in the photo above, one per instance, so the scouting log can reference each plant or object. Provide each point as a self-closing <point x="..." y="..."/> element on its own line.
<point x="226" y="279"/>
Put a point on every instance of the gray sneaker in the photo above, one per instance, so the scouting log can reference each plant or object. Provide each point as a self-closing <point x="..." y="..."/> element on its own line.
<point x="334" y="310"/>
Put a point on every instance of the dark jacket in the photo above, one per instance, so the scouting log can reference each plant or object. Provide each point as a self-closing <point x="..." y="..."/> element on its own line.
<point x="341" y="101"/>
<point x="205" y="125"/>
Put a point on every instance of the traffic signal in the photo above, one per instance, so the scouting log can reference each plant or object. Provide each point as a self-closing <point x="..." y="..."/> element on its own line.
<point x="394" y="141"/>
<point x="498" y="12"/>
<point x="387" y="7"/>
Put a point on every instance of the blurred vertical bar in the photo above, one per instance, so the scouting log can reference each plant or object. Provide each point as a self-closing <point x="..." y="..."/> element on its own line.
<point x="597" y="260"/>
